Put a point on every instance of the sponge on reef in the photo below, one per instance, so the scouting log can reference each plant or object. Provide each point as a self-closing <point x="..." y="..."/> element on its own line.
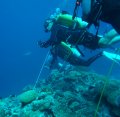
<point x="28" y="96"/>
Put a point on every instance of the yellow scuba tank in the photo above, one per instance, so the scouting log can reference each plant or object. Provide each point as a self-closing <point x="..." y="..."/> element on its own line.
<point x="69" y="50"/>
<point x="63" y="50"/>
<point x="66" y="20"/>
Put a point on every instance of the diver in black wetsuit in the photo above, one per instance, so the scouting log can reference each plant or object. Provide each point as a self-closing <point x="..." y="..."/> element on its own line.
<point x="105" y="10"/>
<point x="62" y="33"/>
<point x="60" y="36"/>
<point x="61" y="29"/>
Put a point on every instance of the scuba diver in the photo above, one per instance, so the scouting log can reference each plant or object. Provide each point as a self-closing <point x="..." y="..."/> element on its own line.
<point x="64" y="28"/>
<point x="62" y="34"/>
<point x="104" y="10"/>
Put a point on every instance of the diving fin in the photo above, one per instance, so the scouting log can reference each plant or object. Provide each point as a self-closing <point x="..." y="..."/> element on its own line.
<point x="114" y="57"/>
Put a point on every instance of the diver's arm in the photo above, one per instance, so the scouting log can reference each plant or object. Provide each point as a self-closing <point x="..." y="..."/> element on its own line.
<point x="44" y="44"/>
<point x="53" y="37"/>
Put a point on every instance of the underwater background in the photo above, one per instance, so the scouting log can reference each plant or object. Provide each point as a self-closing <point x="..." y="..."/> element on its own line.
<point x="21" y="26"/>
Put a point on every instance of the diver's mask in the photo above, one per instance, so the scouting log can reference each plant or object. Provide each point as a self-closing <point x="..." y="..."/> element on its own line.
<point x="48" y="25"/>
<point x="51" y="20"/>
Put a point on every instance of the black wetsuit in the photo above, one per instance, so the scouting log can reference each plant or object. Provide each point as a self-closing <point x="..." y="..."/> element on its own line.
<point x="61" y="33"/>
<point x="87" y="39"/>
<point x="110" y="13"/>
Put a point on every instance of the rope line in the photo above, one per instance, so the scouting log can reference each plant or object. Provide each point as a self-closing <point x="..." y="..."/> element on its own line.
<point x="41" y="70"/>
<point x="107" y="80"/>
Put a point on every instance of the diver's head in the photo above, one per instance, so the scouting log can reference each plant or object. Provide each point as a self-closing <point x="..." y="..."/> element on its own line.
<point x="51" y="20"/>
<point x="48" y="25"/>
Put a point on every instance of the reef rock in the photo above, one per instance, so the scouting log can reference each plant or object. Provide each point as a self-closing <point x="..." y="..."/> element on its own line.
<point x="28" y="96"/>
<point x="68" y="93"/>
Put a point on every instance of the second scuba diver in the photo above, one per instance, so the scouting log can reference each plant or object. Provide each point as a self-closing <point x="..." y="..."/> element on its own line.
<point x="105" y="10"/>
<point x="94" y="11"/>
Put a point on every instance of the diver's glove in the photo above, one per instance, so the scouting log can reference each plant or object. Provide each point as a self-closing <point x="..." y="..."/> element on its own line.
<point x="45" y="44"/>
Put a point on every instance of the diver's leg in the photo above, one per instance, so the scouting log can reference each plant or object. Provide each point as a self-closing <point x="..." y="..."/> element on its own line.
<point x="90" y="60"/>
<point x="109" y="38"/>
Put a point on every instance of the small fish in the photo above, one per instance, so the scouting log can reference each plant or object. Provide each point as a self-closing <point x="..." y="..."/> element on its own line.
<point x="27" y="53"/>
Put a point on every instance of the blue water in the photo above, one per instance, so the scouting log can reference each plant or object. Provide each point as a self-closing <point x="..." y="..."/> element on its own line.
<point x="21" y="26"/>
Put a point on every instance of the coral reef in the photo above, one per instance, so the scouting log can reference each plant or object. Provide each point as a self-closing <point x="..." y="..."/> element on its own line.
<point x="67" y="93"/>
